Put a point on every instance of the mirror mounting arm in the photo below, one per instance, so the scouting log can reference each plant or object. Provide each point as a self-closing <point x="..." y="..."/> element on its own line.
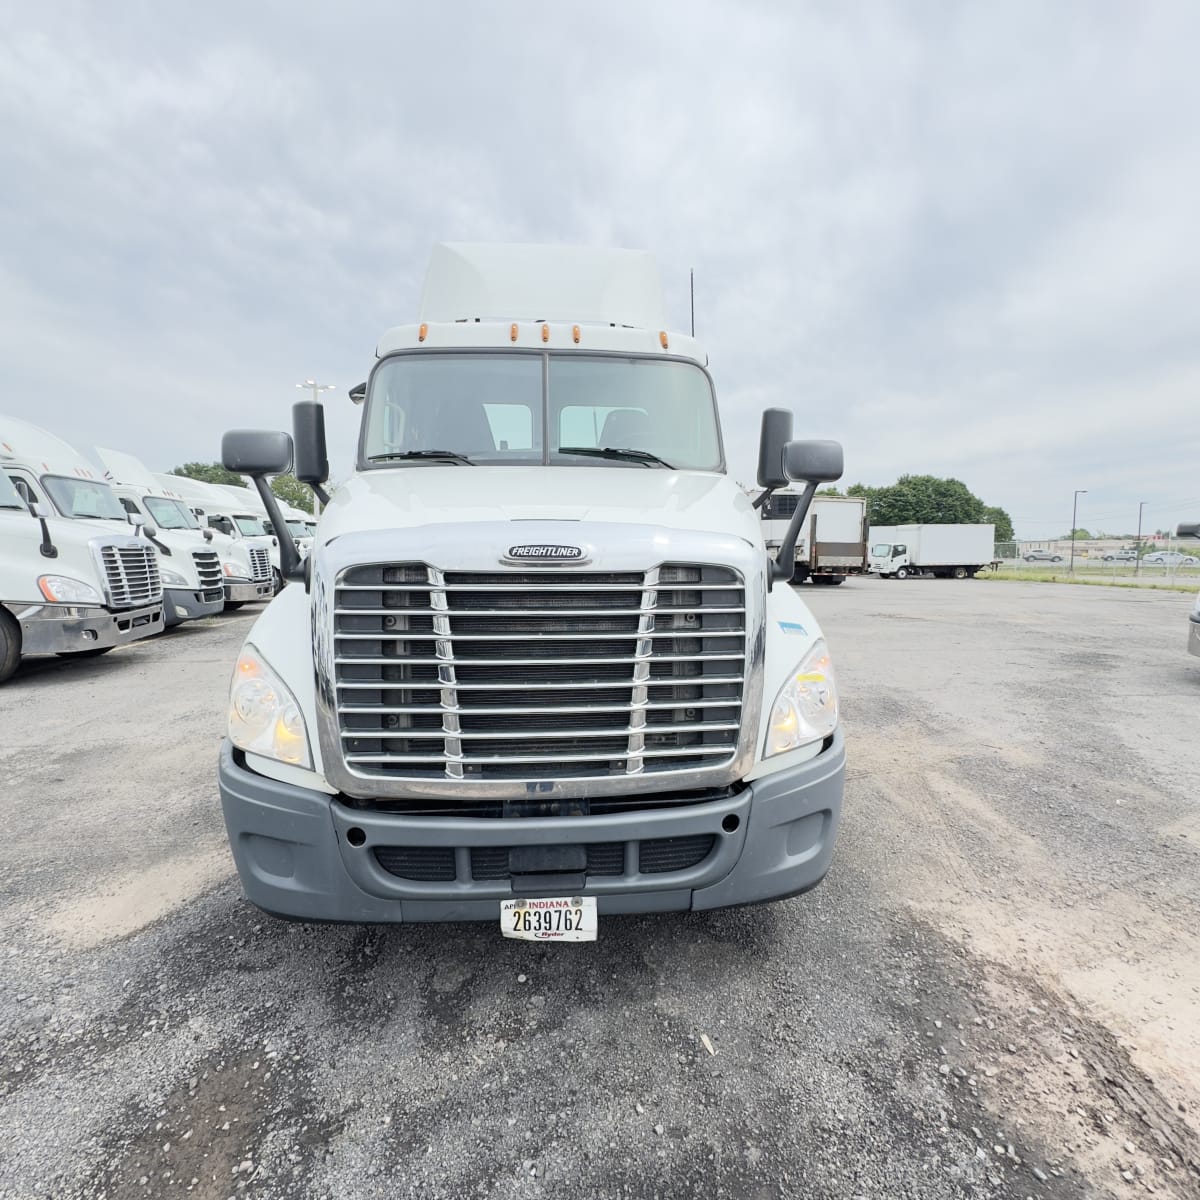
<point x="782" y="565"/>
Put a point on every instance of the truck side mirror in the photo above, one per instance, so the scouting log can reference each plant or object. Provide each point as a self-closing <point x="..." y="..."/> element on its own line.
<point x="256" y="452"/>
<point x="358" y="393"/>
<point x="259" y="453"/>
<point x="813" y="461"/>
<point x="308" y="429"/>
<point x="774" y="437"/>
<point x="1188" y="531"/>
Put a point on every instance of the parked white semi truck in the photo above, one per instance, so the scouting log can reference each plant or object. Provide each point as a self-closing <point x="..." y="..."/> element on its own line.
<point x="190" y="560"/>
<point x="70" y="584"/>
<point x="541" y="666"/>
<point x="833" y="543"/>
<point x="249" y="501"/>
<point x="215" y="509"/>
<point x="947" y="551"/>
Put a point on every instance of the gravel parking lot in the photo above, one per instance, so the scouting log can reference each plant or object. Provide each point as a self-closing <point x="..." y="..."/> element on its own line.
<point x="996" y="992"/>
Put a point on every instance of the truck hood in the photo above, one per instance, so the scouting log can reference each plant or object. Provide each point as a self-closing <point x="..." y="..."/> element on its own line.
<point x="411" y="497"/>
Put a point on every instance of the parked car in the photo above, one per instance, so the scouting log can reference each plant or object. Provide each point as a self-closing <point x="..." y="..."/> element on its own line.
<point x="1042" y="556"/>
<point x="1171" y="558"/>
<point x="1121" y="556"/>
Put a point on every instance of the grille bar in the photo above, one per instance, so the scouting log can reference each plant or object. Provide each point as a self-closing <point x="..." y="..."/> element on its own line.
<point x="537" y="674"/>
<point x="516" y="711"/>
<point x="344" y="660"/>
<point x="542" y="684"/>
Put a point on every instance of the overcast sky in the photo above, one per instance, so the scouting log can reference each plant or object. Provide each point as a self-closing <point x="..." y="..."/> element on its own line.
<point x="962" y="239"/>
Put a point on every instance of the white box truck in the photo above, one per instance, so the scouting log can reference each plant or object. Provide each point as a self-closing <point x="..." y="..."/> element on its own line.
<point x="541" y="668"/>
<point x="833" y="543"/>
<point x="947" y="551"/>
<point x="79" y="586"/>
<point x="216" y="509"/>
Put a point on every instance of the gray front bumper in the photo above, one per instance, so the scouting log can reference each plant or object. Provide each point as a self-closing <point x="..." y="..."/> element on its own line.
<point x="182" y="604"/>
<point x="66" y="628"/>
<point x="1194" y="636"/>
<point x="290" y="844"/>
<point x="241" y="590"/>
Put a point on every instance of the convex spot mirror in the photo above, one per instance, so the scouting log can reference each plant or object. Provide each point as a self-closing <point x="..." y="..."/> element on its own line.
<point x="256" y="451"/>
<point x="813" y="461"/>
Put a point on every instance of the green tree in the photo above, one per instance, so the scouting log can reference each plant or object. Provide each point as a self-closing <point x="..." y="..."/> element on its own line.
<point x="289" y="488"/>
<point x="930" y="500"/>
<point x="209" y="473"/>
<point x="1002" y="521"/>
<point x="828" y="491"/>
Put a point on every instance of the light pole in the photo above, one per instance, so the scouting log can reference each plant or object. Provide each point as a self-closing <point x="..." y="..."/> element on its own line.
<point x="1137" y="562"/>
<point x="316" y="388"/>
<point x="1074" y="513"/>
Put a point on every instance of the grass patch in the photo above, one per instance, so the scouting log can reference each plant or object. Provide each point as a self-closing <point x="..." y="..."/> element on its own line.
<point x="1187" y="585"/>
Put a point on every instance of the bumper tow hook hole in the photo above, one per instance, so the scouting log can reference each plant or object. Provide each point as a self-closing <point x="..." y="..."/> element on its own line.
<point x="355" y="836"/>
<point x="731" y="822"/>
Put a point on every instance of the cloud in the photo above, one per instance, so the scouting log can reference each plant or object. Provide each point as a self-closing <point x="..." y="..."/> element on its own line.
<point x="959" y="239"/>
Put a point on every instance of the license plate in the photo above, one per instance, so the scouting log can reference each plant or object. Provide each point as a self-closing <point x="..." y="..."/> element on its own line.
<point x="555" y="919"/>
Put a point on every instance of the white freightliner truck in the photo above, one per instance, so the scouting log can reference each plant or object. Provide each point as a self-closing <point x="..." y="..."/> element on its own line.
<point x="294" y="518"/>
<point x="833" y="543"/>
<point x="215" y="509"/>
<point x="541" y="665"/>
<point x="947" y="551"/>
<point x="190" y="559"/>
<point x="77" y="586"/>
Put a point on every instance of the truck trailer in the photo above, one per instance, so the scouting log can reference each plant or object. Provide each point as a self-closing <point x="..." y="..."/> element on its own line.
<point x="833" y="543"/>
<point x="947" y="551"/>
<point x="541" y="668"/>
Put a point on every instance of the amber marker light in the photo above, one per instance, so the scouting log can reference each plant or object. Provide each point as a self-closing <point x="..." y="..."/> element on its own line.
<point x="575" y="333"/>
<point x="422" y="332"/>
<point x="662" y="337"/>
<point x="513" y="332"/>
<point x="545" y="333"/>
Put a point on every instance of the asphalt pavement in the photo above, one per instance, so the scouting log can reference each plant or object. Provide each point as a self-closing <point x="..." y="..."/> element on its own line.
<point x="995" y="992"/>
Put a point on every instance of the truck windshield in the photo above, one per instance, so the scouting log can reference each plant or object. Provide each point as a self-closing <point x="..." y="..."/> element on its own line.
<point x="881" y="550"/>
<point x="83" y="497"/>
<point x="250" y="526"/>
<point x="297" y="528"/>
<point x="541" y="408"/>
<point x="9" y="496"/>
<point x="170" y="514"/>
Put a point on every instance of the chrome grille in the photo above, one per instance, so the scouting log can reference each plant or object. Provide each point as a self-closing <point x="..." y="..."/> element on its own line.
<point x="540" y="674"/>
<point x="260" y="564"/>
<point x="208" y="567"/>
<point x="131" y="574"/>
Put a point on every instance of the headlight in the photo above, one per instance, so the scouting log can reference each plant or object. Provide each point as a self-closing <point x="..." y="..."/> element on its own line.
<point x="264" y="717"/>
<point x="806" y="709"/>
<point x="64" y="590"/>
<point x="171" y="578"/>
<point x="232" y="571"/>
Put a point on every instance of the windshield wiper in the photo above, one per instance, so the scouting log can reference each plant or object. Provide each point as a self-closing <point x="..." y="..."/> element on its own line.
<point x="442" y="455"/>
<point x="622" y="453"/>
